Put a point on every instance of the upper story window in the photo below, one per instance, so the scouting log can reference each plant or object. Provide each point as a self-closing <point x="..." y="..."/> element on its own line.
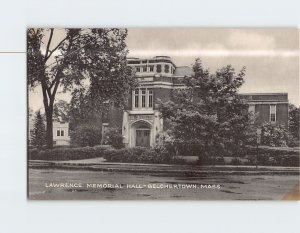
<point x="172" y="70"/>
<point x="273" y="113"/>
<point x="144" y="68"/>
<point x="158" y="68"/>
<point x="136" y="98"/>
<point x="150" y="93"/>
<point x="251" y="108"/>
<point x="143" y="98"/>
<point x="167" y="68"/>
<point x="151" y="68"/>
<point x="138" y="69"/>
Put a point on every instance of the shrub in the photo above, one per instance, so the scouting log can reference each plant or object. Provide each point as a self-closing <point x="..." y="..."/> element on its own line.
<point x="140" y="155"/>
<point x="68" y="153"/>
<point x="274" y="135"/>
<point x="113" y="137"/>
<point x="204" y="160"/>
<point x="165" y="143"/>
<point x="273" y="156"/>
<point x="272" y="151"/>
<point x="86" y="135"/>
<point x="33" y="153"/>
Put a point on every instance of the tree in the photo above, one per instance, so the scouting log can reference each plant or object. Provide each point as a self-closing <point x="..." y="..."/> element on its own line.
<point x="208" y="117"/>
<point x="294" y="121"/>
<point x="82" y="111"/>
<point x="86" y="135"/>
<point x="61" y="111"/>
<point x="274" y="135"/>
<point x="68" y="57"/>
<point x="113" y="137"/>
<point x="39" y="133"/>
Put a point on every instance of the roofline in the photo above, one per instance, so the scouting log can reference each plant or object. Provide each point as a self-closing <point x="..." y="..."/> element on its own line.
<point x="265" y="93"/>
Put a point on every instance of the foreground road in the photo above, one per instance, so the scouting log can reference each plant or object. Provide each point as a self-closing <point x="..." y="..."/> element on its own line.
<point x="85" y="184"/>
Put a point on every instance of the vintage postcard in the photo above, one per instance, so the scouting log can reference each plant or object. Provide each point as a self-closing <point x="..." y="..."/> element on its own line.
<point x="163" y="113"/>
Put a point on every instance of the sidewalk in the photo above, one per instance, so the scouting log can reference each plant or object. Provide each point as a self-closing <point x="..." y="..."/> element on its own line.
<point x="99" y="164"/>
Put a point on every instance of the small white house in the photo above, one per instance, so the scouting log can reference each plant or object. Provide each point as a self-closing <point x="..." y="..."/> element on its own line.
<point x="61" y="133"/>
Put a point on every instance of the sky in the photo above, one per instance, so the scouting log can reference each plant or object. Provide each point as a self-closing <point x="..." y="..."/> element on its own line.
<point x="271" y="56"/>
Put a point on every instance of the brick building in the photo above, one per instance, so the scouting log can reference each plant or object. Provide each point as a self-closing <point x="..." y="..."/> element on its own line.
<point x="157" y="78"/>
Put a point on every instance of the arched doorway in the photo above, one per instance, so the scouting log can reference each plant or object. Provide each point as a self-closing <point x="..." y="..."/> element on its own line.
<point x="142" y="133"/>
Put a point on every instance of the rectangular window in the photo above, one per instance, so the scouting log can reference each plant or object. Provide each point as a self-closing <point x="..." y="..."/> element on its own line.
<point x="151" y="69"/>
<point x="150" y="98"/>
<point x="158" y="68"/>
<point x="136" y="98"/>
<point x="137" y="69"/>
<point x="166" y="68"/>
<point x="58" y="133"/>
<point x="62" y="133"/>
<point x="143" y="98"/>
<point x="273" y="113"/>
<point x="144" y="68"/>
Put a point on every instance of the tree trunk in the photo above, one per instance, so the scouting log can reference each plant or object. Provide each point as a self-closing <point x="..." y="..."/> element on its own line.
<point x="49" y="127"/>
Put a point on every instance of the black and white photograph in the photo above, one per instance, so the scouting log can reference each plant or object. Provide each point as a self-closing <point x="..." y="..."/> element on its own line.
<point x="163" y="113"/>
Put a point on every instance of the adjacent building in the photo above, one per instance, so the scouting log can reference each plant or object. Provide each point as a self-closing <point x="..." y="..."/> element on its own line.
<point x="61" y="133"/>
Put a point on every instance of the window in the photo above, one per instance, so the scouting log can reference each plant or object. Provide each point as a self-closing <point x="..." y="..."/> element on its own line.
<point x="273" y="113"/>
<point x="137" y="69"/>
<point x="60" y="133"/>
<point x="167" y="68"/>
<point x="144" y="68"/>
<point x="136" y="98"/>
<point x="150" y="100"/>
<point x="251" y="108"/>
<point x="143" y="98"/>
<point x="146" y="133"/>
<point x="158" y="68"/>
<point x="151" y="68"/>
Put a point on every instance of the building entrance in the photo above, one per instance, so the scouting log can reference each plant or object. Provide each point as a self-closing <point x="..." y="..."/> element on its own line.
<point x="143" y="137"/>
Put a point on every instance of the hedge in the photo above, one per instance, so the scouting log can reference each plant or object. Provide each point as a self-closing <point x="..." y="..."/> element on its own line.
<point x="67" y="153"/>
<point x="141" y="155"/>
<point x="267" y="156"/>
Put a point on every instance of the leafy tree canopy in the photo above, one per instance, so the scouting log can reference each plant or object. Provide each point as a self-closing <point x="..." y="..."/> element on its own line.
<point x="61" y="111"/>
<point x="94" y="59"/>
<point x="207" y="116"/>
<point x="294" y="121"/>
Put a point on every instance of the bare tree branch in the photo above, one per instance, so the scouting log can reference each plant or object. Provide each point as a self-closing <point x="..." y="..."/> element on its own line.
<point x="53" y="50"/>
<point x="48" y="44"/>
